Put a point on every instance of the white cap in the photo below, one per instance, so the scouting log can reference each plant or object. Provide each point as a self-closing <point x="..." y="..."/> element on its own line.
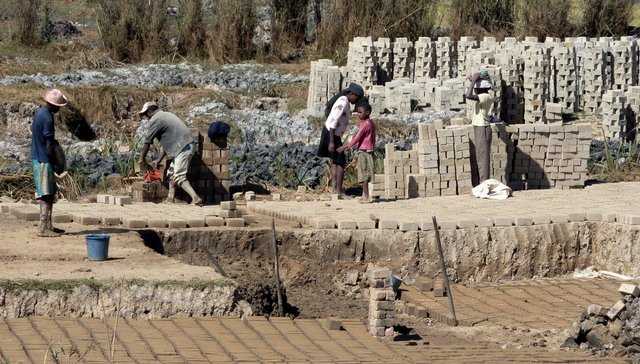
<point x="147" y="106"/>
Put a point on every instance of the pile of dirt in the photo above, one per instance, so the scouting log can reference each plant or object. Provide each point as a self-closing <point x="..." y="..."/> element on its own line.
<point x="614" y="330"/>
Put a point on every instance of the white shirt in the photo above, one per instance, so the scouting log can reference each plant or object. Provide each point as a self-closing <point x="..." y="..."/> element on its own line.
<point x="339" y="116"/>
<point x="482" y="110"/>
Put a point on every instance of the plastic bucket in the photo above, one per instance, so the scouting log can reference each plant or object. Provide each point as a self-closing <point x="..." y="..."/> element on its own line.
<point x="97" y="247"/>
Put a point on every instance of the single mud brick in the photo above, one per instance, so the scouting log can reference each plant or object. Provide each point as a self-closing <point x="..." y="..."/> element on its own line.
<point x="379" y="273"/>
<point x="629" y="289"/>
<point x="230" y="214"/>
<point x="541" y="220"/>
<point x="376" y="331"/>
<point x="559" y="219"/>
<point x="62" y="218"/>
<point x="615" y="310"/>
<point x="410" y="309"/>
<point x="249" y="196"/>
<point x="87" y="220"/>
<point x="424" y="284"/>
<point x="366" y="225"/>
<point x="177" y="224"/>
<point x="237" y="222"/>
<point x="214" y="221"/>
<point x="347" y="225"/>
<point x="4" y="209"/>
<point x="103" y="199"/>
<point x="466" y="224"/>
<point x="110" y="221"/>
<point x="438" y="287"/>
<point x="632" y="219"/>
<point x="331" y="324"/>
<point x="408" y="226"/>
<point x="594" y="310"/>
<point x="158" y="223"/>
<point x="276" y="197"/>
<point x="195" y="222"/>
<point x="503" y="221"/>
<point x="133" y="223"/>
<point x="610" y="217"/>
<point x="594" y="216"/>
<point x="426" y="226"/>
<point x="122" y="200"/>
<point x="380" y="322"/>
<point x="577" y="217"/>
<point x="524" y="221"/>
<point x="378" y="294"/>
<point x="228" y="205"/>
<point x="387" y="225"/>
<point x="324" y="224"/>
<point x="448" y="225"/>
<point x="381" y="305"/>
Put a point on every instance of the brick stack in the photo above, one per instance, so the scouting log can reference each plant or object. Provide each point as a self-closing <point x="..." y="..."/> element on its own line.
<point x="376" y="187"/>
<point x="501" y="153"/>
<point x="489" y="43"/>
<point x="465" y="44"/>
<point x="444" y="58"/>
<point x="209" y="170"/>
<point x="402" y="59"/>
<point x="425" y="60"/>
<point x="324" y="81"/>
<point x="398" y="164"/>
<point x="593" y="73"/>
<point x="396" y="97"/>
<point x="604" y="43"/>
<point x="361" y="62"/>
<point x="550" y="155"/>
<point x="381" y="302"/>
<point x="564" y="77"/>
<point x="553" y="112"/>
<point x="633" y="112"/>
<point x="535" y="85"/>
<point x="512" y="68"/>
<point x="614" y="121"/>
<point x="384" y="60"/>
<point x="149" y="192"/>
<point x="447" y="162"/>
<point x="462" y="157"/>
<point x="624" y="54"/>
<point x="428" y="156"/>
<point x="377" y="100"/>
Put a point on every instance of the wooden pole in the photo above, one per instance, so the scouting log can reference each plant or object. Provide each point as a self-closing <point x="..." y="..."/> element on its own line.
<point x="452" y="309"/>
<point x="277" y="267"/>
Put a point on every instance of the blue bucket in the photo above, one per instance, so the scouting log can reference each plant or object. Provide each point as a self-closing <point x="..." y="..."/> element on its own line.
<point x="97" y="247"/>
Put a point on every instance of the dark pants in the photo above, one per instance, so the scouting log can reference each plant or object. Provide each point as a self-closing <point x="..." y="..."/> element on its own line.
<point x="482" y="142"/>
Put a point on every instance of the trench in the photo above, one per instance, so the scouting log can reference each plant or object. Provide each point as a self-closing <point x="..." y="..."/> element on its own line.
<point x="323" y="270"/>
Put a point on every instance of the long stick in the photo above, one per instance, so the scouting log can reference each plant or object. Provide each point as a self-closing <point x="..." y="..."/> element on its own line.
<point x="452" y="310"/>
<point x="277" y="267"/>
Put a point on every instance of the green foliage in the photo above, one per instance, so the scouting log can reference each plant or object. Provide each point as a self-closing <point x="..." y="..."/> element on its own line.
<point x="475" y="17"/>
<point x="542" y="18"/>
<point x="606" y="17"/>
<point x="27" y="22"/>
<point x="230" y="35"/>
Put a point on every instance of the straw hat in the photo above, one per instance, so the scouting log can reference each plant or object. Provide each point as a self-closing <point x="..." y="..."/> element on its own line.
<point x="55" y="97"/>
<point x="147" y="106"/>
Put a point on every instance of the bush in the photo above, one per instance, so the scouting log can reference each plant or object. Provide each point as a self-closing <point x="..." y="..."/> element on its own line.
<point x="131" y="29"/>
<point x="606" y="17"/>
<point x="344" y="19"/>
<point x="479" y="17"/>
<point x="193" y="36"/>
<point x="544" y="18"/>
<point x="27" y="22"/>
<point x="231" y="32"/>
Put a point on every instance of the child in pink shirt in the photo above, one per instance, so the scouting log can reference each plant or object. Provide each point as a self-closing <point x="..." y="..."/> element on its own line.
<point x="364" y="141"/>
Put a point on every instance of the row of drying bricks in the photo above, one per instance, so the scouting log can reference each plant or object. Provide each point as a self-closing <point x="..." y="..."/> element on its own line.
<point x="427" y="224"/>
<point x="30" y="214"/>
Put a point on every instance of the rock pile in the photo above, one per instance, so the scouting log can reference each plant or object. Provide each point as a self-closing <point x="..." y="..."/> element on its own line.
<point x="614" y="330"/>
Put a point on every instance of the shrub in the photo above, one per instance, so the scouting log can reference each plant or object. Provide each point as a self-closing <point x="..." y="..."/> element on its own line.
<point x="27" y="22"/>
<point x="544" y="18"/>
<point x="231" y="32"/>
<point x="606" y="17"/>
<point x="192" y="37"/>
<point x="477" y="17"/>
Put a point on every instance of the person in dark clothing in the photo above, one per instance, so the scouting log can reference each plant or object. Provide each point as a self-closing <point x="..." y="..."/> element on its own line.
<point x="42" y="158"/>
<point x="338" y="113"/>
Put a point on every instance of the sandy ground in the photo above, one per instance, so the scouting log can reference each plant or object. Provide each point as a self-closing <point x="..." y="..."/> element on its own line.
<point x="24" y="255"/>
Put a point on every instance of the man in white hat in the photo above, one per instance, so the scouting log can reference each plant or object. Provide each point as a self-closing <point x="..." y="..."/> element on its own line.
<point x="479" y="92"/>
<point x="43" y="157"/>
<point x="177" y="143"/>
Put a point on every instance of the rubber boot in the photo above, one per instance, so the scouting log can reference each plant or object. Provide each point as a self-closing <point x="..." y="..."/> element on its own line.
<point x="50" y="220"/>
<point x="45" y="230"/>
<point x="195" y="199"/>
<point x="171" y="197"/>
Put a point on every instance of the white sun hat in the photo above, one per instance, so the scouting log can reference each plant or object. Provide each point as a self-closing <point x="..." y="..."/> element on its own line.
<point x="147" y="106"/>
<point x="55" y="97"/>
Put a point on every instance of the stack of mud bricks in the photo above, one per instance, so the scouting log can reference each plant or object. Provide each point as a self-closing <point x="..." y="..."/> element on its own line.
<point x="462" y="158"/>
<point x="593" y="76"/>
<point x="553" y="112"/>
<point x="384" y="60"/>
<point x="550" y="155"/>
<point x="512" y="68"/>
<point x="564" y="78"/>
<point x="489" y="44"/>
<point x="397" y="165"/>
<point x="381" y="302"/>
<point x="377" y="99"/>
<point x="444" y="58"/>
<point x="447" y="162"/>
<point x="325" y="80"/>
<point x="361" y="62"/>
<point x="535" y="85"/>
<point x="425" y="60"/>
<point x="398" y="96"/>
<point x="501" y="153"/>
<point x="614" y="114"/>
<point x="604" y="43"/>
<point x="149" y="191"/>
<point x="427" y="182"/>
<point x="209" y="170"/>
<point x="632" y="111"/>
<point x="377" y="187"/>
<point x="403" y="59"/>
<point x="625" y="63"/>
<point x="465" y="44"/>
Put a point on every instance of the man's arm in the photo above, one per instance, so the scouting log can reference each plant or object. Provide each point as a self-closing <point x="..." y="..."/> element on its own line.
<point x="470" y="94"/>
<point x="49" y="134"/>
<point x="143" y="157"/>
<point x="157" y="162"/>
<point x="332" y="121"/>
<point x="356" y="140"/>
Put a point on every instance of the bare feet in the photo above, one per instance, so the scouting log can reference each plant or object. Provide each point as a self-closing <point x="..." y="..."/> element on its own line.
<point x="48" y="234"/>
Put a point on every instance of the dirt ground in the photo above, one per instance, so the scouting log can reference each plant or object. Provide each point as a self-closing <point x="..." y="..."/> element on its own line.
<point x="24" y="255"/>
